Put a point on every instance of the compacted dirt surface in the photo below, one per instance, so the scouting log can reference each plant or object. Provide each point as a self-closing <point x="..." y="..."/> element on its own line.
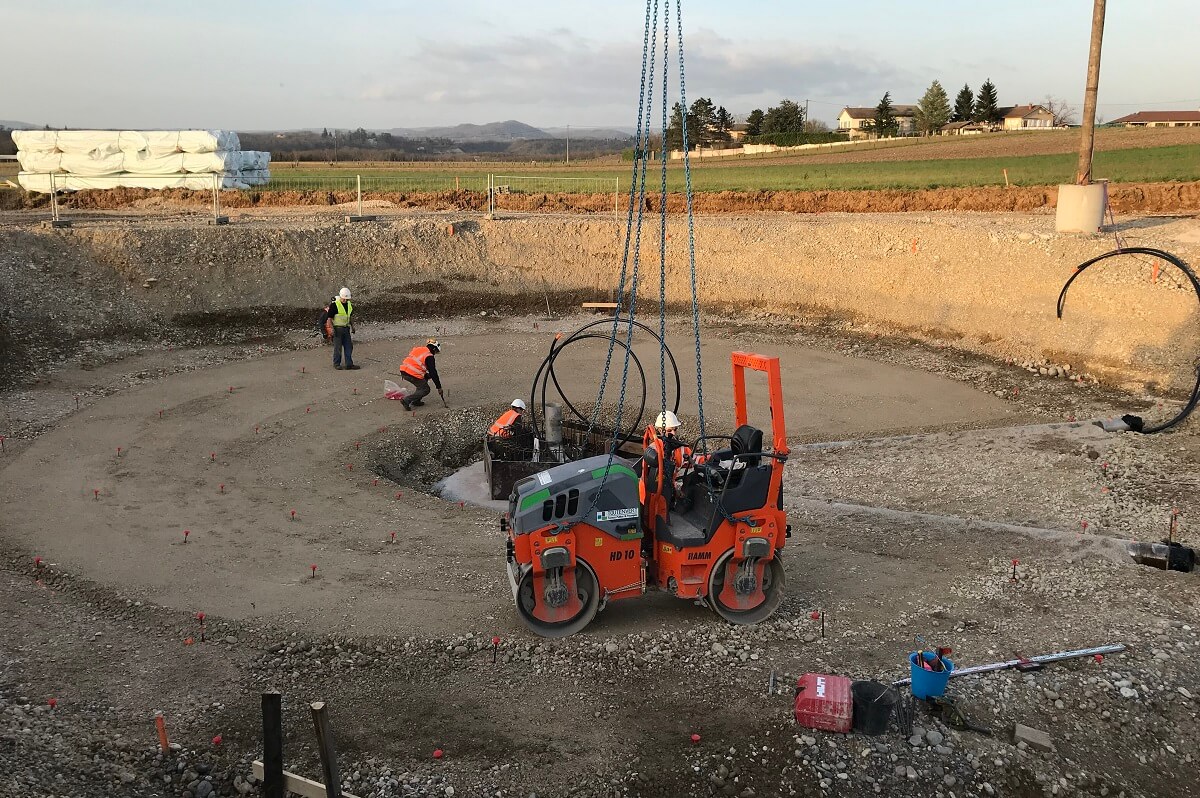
<point x="150" y="561"/>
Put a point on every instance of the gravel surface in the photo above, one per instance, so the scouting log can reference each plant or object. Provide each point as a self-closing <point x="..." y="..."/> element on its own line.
<point x="920" y="473"/>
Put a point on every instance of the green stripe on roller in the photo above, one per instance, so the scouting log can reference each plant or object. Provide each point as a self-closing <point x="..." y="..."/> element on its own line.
<point x="614" y="469"/>
<point x="535" y="498"/>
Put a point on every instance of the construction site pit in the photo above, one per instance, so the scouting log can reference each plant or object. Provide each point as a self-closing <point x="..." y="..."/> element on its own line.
<point x="198" y="508"/>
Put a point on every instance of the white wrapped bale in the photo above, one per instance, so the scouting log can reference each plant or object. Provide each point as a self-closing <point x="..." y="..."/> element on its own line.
<point x="209" y="162"/>
<point x="96" y="162"/>
<point x="146" y="164"/>
<point x="40" y="161"/>
<point x="254" y="160"/>
<point x="96" y="143"/>
<point x="208" y="140"/>
<point x="36" y="140"/>
<point x="41" y="183"/>
<point x="255" y="177"/>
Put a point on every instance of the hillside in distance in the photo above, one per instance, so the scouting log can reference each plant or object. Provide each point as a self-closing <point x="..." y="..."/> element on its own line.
<point x="509" y="130"/>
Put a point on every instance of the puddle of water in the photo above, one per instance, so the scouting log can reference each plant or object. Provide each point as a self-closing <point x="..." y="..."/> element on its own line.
<point x="469" y="484"/>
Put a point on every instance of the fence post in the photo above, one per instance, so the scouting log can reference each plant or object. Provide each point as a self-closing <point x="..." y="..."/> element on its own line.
<point x="491" y="206"/>
<point x="55" y="219"/>
<point x="272" y="719"/>
<point x="327" y="749"/>
<point x="218" y="219"/>
<point x="359" y="216"/>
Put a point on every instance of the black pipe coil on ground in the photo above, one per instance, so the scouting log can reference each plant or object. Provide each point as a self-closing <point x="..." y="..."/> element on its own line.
<point x="1135" y="422"/>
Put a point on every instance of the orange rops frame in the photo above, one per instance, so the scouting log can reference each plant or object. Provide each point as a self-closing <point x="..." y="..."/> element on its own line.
<point x="770" y="367"/>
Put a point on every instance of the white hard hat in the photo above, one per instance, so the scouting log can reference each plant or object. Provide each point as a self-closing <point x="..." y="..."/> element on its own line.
<point x="667" y="420"/>
<point x="519" y="404"/>
<point x="344" y="293"/>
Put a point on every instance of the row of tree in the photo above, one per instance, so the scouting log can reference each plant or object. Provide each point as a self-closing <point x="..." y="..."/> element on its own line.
<point x="934" y="111"/>
<point x="709" y="124"/>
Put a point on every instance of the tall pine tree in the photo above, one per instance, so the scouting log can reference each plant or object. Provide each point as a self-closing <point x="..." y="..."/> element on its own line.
<point x="964" y="105"/>
<point x="675" y="129"/>
<point x="986" y="109"/>
<point x="884" y="123"/>
<point x="754" y="122"/>
<point x="933" y="110"/>
<point x="787" y="117"/>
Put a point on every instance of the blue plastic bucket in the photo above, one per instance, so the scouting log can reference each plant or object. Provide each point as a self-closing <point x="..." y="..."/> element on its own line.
<point x="929" y="684"/>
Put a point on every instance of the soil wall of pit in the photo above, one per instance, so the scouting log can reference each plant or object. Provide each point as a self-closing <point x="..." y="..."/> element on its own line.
<point x="985" y="283"/>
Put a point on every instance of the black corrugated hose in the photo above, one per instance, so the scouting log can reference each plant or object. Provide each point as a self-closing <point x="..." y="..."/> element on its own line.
<point x="1135" y="422"/>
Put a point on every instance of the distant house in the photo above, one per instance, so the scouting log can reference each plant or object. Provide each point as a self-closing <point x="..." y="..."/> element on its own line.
<point x="1026" y="117"/>
<point x="1160" y="119"/>
<point x="852" y="120"/>
<point x="738" y="131"/>
<point x="963" y="129"/>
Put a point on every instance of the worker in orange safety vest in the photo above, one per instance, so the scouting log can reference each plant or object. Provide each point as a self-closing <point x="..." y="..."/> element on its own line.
<point x="418" y="369"/>
<point x="511" y="423"/>
<point x="678" y="452"/>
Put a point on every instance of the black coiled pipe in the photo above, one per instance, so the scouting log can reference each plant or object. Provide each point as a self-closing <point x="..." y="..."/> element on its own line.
<point x="546" y="373"/>
<point x="1134" y="422"/>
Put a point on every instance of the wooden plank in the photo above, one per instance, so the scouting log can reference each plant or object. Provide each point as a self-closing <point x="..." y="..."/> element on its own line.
<point x="609" y="305"/>
<point x="325" y="744"/>
<point x="272" y="721"/>
<point x="298" y="785"/>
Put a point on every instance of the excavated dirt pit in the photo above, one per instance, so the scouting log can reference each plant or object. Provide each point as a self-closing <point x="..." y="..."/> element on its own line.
<point x="920" y="471"/>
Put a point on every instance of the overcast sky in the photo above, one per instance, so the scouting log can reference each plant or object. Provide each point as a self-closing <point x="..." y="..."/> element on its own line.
<point x="271" y="64"/>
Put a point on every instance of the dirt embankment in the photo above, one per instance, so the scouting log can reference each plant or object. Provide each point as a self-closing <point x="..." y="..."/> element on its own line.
<point x="1123" y="198"/>
<point x="983" y="283"/>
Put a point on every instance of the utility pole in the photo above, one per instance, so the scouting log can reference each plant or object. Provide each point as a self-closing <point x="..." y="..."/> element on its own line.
<point x="1083" y="175"/>
<point x="568" y="145"/>
<point x="805" y="125"/>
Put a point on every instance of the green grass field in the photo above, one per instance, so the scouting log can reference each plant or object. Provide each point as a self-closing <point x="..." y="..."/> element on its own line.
<point x="1145" y="165"/>
<point x="1159" y="164"/>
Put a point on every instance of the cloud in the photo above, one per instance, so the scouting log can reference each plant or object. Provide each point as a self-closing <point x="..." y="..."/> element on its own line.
<point x="560" y="75"/>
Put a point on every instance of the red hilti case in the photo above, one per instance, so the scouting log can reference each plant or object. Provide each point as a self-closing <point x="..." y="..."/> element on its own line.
<point x="823" y="702"/>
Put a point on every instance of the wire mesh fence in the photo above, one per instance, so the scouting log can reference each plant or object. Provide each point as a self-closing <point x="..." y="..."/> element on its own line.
<point x="75" y="197"/>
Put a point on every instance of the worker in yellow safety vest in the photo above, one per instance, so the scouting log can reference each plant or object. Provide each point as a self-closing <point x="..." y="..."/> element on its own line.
<point x="339" y="313"/>
<point x="510" y="423"/>
<point x="418" y="369"/>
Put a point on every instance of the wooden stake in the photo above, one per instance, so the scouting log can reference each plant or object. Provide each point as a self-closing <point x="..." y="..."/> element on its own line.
<point x="325" y="744"/>
<point x="272" y="719"/>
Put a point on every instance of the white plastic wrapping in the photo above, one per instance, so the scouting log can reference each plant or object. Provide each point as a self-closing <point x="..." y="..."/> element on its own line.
<point x="208" y="140"/>
<point x="256" y="177"/>
<point x="255" y="159"/>
<point x="39" y="161"/>
<point x="96" y="162"/>
<point x="97" y="143"/>
<point x="107" y="142"/>
<point x="145" y="164"/>
<point x="211" y="161"/>
<point x="41" y="183"/>
<point x="36" y="140"/>
<point x="154" y="159"/>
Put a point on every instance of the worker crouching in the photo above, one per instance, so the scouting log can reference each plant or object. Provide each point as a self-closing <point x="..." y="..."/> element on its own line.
<point x="418" y="369"/>
<point x="510" y="436"/>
